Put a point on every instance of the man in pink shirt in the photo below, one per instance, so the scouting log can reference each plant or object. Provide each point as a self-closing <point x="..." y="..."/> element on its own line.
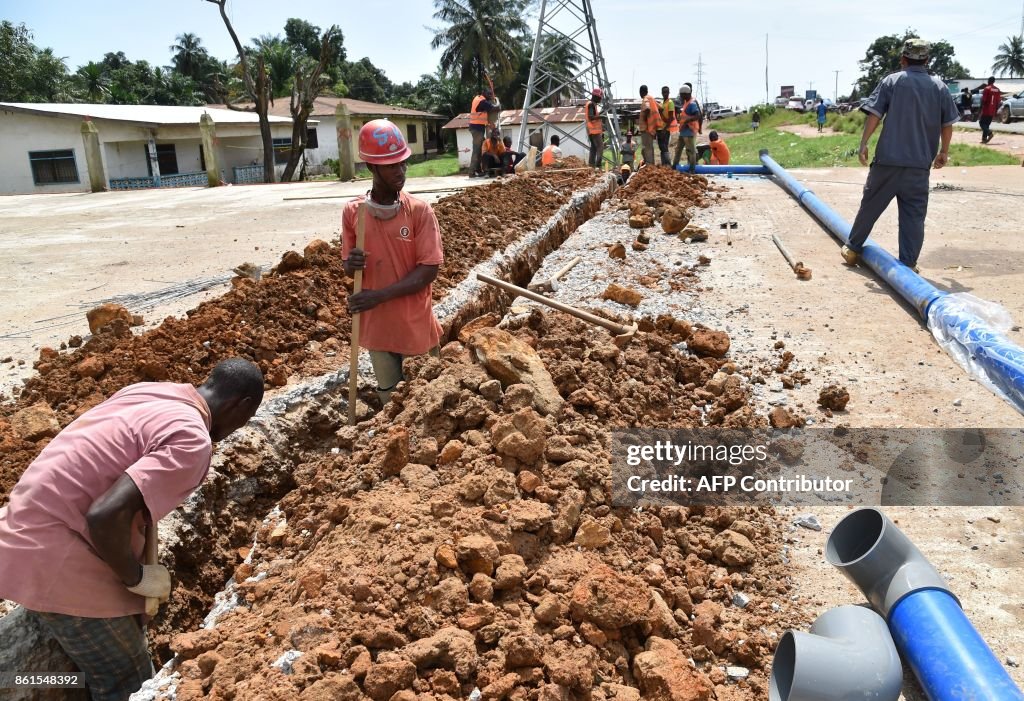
<point x="72" y="534"/>
<point x="399" y="259"/>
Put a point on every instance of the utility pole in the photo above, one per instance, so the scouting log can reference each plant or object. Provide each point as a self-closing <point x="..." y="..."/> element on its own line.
<point x="836" y="96"/>
<point x="766" y="69"/>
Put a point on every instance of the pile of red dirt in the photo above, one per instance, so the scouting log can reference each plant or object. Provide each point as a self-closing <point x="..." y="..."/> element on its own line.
<point x="466" y="538"/>
<point x="294" y="321"/>
<point x="668" y="185"/>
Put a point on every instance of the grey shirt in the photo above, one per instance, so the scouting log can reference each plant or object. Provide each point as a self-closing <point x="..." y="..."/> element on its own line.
<point x="915" y="107"/>
<point x="627" y="150"/>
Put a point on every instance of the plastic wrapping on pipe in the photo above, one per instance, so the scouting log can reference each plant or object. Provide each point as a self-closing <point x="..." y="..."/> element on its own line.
<point x="962" y="329"/>
<point x="738" y="169"/>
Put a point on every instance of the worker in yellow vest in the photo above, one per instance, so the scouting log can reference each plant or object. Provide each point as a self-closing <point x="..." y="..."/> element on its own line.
<point x="478" y="117"/>
<point x="671" y="125"/>
<point x="595" y="127"/>
<point x="650" y="123"/>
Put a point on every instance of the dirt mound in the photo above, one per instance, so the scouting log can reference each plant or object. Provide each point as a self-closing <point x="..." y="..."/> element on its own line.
<point x="293" y="322"/>
<point x="668" y="186"/>
<point x="468" y="542"/>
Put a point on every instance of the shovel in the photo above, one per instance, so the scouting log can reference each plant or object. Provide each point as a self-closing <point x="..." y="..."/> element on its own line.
<point x="353" y="347"/>
<point x="623" y="334"/>
<point x="149" y="557"/>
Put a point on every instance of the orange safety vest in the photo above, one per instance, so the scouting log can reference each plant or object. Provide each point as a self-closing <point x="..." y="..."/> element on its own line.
<point x="594" y="126"/>
<point x="478" y="119"/>
<point x="673" y="123"/>
<point x="654" y="120"/>
<point x="547" y="157"/>
<point x="693" y="121"/>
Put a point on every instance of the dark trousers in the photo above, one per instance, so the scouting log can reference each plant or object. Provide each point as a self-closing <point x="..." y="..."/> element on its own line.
<point x="511" y="159"/>
<point x="910" y="188"/>
<point x="478" y="143"/>
<point x="986" y="132"/>
<point x="663" y="139"/>
<point x="596" y="150"/>
<point x="490" y="162"/>
<point x="647" y="147"/>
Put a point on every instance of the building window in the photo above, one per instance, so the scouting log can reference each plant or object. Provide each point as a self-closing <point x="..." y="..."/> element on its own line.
<point x="52" y="167"/>
<point x="166" y="158"/>
<point x="411" y="128"/>
<point x="311" y="140"/>
<point x="282" y="149"/>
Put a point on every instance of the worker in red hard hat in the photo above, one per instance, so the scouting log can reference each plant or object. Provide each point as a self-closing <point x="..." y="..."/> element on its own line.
<point x="399" y="259"/>
<point x="595" y="127"/>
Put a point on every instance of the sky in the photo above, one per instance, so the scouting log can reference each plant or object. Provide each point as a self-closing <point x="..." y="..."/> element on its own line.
<point x="657" y="42"/>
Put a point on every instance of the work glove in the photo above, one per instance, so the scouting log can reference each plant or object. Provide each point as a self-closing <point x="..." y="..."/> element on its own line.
<point x="155" y="583"/>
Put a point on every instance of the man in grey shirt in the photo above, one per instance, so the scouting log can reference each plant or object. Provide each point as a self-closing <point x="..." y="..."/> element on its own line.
<point x="918" y="110"/>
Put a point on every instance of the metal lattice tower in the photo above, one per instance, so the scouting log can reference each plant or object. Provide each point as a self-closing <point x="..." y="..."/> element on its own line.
<point x="568" y="22"/>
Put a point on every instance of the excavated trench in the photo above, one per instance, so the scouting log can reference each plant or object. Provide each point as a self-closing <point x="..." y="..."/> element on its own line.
<point x="205" y="540"/>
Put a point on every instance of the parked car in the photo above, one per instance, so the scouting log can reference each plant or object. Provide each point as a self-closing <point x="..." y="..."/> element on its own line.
<point x="1012" y="108"/>
<point x="723" y="112"/>
<point x="796" y="103"/>
<point x="781" y="101"/>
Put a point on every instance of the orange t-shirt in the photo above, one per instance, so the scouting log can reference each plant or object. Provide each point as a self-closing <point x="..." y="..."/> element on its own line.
<point x="719" y="153"/>
<point x="157" y="433"/>
<point x="404" y="325"/>
<point x="494" y="148"/>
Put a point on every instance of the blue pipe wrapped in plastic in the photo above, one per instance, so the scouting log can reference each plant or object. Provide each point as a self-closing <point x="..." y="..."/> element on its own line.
<point x="983" y="352"/>
<point x="726" y="170"/>
<point x="945" y="652"/>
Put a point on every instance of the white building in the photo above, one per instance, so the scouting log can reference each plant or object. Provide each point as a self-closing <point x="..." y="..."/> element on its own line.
<point x="42" y="148"/>
<point x="570" y="122"/>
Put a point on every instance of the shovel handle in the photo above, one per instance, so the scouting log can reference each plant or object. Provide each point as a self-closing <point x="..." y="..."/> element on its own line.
<point x="353" y="347"/>
<point x="149" y="557"/>
<point x="617" y="329"/>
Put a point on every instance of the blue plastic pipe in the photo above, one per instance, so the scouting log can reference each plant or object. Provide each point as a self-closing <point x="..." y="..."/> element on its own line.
<point x="1000" y="362"/>
<point x="726" y="170"/>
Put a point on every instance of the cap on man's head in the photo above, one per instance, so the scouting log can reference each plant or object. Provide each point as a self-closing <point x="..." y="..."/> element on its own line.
<point x="916" y="49"/>
<point x="685" y="90"/>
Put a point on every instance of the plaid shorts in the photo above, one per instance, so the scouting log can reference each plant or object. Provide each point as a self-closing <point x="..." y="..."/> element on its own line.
<point x="110" y="652"/>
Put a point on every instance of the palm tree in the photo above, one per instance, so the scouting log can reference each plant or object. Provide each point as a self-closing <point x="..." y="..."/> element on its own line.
<point x="478" y="37"/>
<point x="189" y="55"/>
<point x="92" y="82"/>
<point x="280" y="60"/>
<point x="1010" y="58"/>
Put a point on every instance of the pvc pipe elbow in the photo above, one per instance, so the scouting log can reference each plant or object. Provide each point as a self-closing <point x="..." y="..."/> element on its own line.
<point x="880" y="560"/>
<point x="848" y="655"/>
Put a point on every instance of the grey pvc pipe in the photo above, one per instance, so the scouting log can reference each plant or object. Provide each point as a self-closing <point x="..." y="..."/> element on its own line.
<point x="880" y="560"/>
<point x="848" y="655"/>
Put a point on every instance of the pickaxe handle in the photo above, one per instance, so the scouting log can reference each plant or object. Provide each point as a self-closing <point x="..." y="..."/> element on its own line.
<point x="150" y="555"/>
<point x="353" y="346"/>
<point x="566" y="268"/>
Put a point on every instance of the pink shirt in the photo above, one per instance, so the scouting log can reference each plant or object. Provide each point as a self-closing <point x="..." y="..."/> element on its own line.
<point x="404" y="325"/>
<point x="158" y="433"/>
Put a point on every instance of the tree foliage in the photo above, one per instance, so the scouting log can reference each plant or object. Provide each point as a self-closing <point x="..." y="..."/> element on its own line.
<point x="28" y="73"/>
<point x="883" y="57"/>
<point x="480" y="37"/>
<point x="1010" y="58"/>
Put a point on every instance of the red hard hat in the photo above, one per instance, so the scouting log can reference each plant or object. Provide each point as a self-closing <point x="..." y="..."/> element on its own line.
<point x="597" y="92"/>
<point x="381" y="143"/>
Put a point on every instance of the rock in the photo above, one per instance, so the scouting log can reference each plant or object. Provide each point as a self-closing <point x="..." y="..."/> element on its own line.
<point x="446" y="557"/>
<point x="638" y="246"/>
<point x="520" y="436"/>
<point x="673" y="220"/>
<point x="490" y="390"/>
<point x="104" y="314"/>
<point x="665" y="675"/>
<point x="419" y="478"/>
<point x="449" y="648"/>
<point x="188" y="646"/>
<point x="528" y="481"/>
<point x="528" y="515"/>
<point x="643" y="237"/>
<point x="385" y="679"/>
<point x="395" y="454"/>
<point x="641" y="221"/>
<point x="207" y="662"/>
<point x="522" y="650"/>
<point x="622" y="295"/>
<point x="278" y="376"/>
<point x="592" y="535"/>
<point x="501" y="490"/>
<point x="499" y="689"/>
<point x="694" y="233"/>
<point x="610" y="600"/>
<point x="833" y="397"/>
<point x="477" y="553"/>
<point x="334" y="686"/>
<point x="779" y="417"/>
<point x="488" y="320"/>
<point x="736" y="673"/>
<point x="808" y="521"/>
<point x="138" y="320"/>
<point x="570" y="666"/>
<point x="617" y="251"/>
<point x="548" y="609"/>
<point x="733" y="549"/>
<point x="35" y="422"/>
<point x="316" y="250"/>
<point x="510" y="573"/>
<point x="740" y="600"/>
<point x="155" y="371"/>
<point x="74" y="342"/>
<point x="451" y="452"/>
<point x="707" y="342"/>
<point x="481" y="587"/>
<point x="511" y="361"/>
<point x="291" y="260"/>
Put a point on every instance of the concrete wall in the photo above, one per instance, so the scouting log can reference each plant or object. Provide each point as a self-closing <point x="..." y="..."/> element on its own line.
<point x="21" y="133"/>
<point x="464" y="141"/>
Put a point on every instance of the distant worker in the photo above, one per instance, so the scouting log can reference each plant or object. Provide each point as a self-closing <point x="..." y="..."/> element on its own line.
<point x="627" y="149"/>
<point x="511" y="158"/>
<point x="822" y="112"/>
<point x="595" y="128"/>
<point x="715" y="151"/>
<point x="966" y="102"/>
<point x="493" y="151"/>
<point x="72" y="534"/>
<point x="689" y="118"/>
<point x="624" y="172"/>
<point x="991" y="96"/>
<point x="479" y="116"/>
<point x="650" y="123"/>
<point x="670" y="126"/>
<point x="918" y="109"/>
<point x="553" y="153"/>
<point x="400" y="259"/>
<point x="755" y="120"/>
